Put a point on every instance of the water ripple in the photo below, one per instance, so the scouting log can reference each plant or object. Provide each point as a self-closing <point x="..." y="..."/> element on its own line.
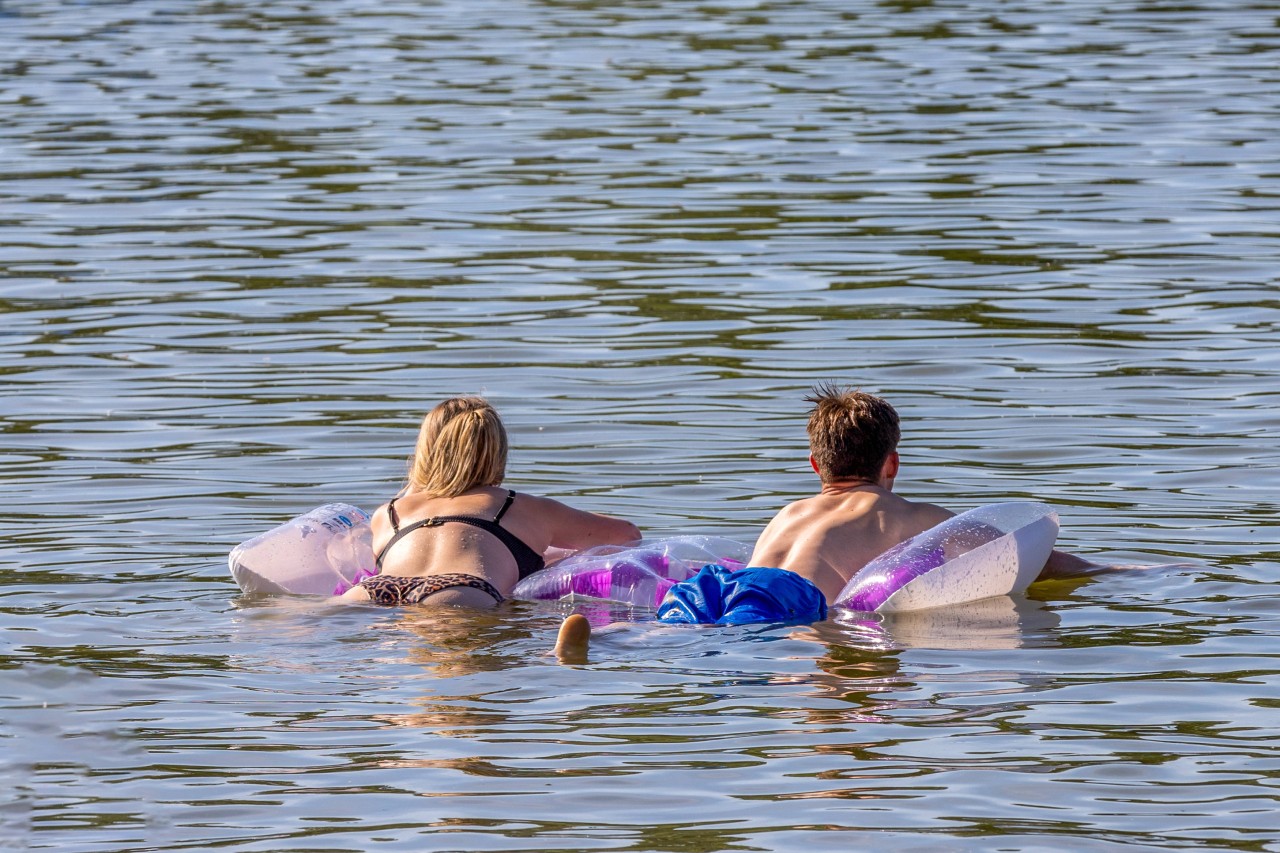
<point x="243" y="247"/>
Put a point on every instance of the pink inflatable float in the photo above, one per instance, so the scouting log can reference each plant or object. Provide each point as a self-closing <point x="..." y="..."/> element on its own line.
<point x="640" y="574"/>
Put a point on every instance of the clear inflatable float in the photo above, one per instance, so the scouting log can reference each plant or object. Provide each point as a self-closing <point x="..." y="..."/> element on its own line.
<point x="992" y="550"/>
<point x="637" y="574"/>
<point x="989" y="551"/>
<point x="322" y="552"/>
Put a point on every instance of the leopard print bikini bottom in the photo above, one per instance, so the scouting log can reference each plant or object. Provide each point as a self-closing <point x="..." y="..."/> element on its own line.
<point x="395" y="590"/>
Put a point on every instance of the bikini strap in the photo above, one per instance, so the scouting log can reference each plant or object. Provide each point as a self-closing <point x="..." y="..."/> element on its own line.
<point x="391" y="513"/>
<point x="511" y="496"/>
<point x="434" y="521"/>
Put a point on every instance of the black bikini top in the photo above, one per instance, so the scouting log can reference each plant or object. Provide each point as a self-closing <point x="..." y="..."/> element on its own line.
<point x="527" y="560"/>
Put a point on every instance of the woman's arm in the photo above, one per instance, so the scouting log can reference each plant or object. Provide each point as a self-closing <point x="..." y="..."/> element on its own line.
<point x="576" y="529"/>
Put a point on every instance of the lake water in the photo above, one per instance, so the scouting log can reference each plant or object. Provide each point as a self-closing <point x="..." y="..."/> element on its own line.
<point x="244" y="247"/>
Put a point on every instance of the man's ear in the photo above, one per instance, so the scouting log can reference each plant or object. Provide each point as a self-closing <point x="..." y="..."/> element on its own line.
<point x="813" y="463"/>
<point x="890" y="468"/>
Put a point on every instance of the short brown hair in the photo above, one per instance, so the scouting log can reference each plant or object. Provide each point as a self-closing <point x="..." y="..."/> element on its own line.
<point x="461" y="445"/>
<point x="851" y="433"/>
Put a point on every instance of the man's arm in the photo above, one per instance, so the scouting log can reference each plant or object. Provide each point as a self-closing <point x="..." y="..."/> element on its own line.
<point x="1063" y="565"/>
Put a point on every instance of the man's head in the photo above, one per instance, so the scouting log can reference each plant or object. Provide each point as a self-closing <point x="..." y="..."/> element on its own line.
<point x="851" y="434"/>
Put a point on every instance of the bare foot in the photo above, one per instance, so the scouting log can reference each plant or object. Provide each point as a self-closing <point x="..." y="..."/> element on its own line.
<point x="574" y="637"/>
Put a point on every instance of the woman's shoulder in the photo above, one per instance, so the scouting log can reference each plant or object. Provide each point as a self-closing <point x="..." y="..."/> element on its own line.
<point x="548" y="510"/>
<point x="534" y="503"/>
<point x="380" y="518"/>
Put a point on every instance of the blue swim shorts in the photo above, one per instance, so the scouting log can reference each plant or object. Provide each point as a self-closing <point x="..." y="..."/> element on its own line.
<point x="718" y="596"/>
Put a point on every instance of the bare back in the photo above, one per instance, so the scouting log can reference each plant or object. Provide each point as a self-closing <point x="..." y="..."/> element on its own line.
<point x="828" y="537"/>
<point x="453" y="548"/>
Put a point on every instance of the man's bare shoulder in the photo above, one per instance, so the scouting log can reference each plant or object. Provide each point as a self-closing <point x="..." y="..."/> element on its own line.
<point x="827" y="537"/>
<point x="802" y="508"/>
<point x="926" y="515"/>
<point x="884" y="510"/>
<point x="779" y="534"/>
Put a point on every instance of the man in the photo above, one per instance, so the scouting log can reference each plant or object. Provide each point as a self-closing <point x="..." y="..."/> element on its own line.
<point x="853" y="441"/>
<point x="825" y="539"/>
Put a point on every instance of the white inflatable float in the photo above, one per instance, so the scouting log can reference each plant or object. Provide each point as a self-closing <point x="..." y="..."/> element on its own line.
<point x="992" y="550"/>
<point x="323" y="552"/>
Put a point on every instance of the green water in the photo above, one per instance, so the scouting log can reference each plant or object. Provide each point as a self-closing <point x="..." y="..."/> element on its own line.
<point x="243" y="247"/>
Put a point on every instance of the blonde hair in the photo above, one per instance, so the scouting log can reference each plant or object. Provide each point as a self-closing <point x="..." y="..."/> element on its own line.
<point x="851" y="433"/>
<point x="461" y="445"/>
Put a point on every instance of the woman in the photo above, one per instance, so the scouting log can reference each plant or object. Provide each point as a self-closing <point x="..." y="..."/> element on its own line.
<point x="454" y="535"/>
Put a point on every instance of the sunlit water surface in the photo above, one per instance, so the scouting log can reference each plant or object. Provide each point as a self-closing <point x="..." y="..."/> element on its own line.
<point x="243" y="247"/>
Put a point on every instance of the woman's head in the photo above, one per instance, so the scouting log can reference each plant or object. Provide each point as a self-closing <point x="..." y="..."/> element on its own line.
<point x="462" y="445"/>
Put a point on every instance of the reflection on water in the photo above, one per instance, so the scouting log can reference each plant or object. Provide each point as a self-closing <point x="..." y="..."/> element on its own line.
<point x="243" y="248"/>
<point x="1001" y="622"/>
